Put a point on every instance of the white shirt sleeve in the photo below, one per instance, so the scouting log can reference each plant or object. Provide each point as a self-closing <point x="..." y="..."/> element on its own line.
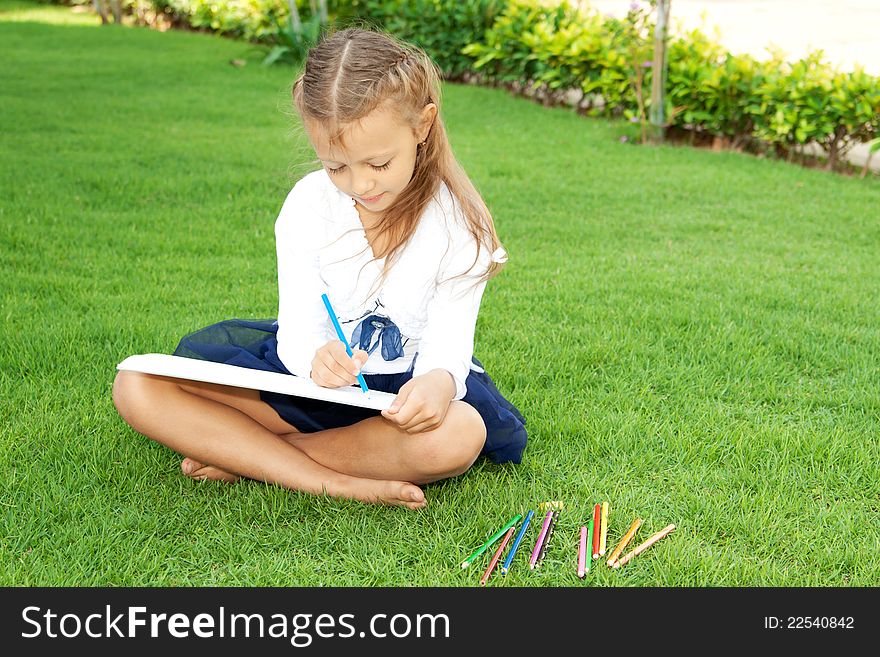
<point x="448" y="339"/>
<point x="302" y="318"/>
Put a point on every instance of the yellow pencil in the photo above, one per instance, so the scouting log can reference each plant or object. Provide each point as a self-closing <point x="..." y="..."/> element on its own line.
<point x="644" y="546"/>
<point x="604" y="534"/>
<point x="633" y="528"/>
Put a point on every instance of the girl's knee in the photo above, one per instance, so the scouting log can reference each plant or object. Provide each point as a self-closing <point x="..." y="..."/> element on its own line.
<point x="130" y="389"/>
<point x="453" y="447"/>
<point x="122" y="390"/>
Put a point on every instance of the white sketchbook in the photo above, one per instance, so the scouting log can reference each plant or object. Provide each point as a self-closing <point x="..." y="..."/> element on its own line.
<point x="245" y="377"/>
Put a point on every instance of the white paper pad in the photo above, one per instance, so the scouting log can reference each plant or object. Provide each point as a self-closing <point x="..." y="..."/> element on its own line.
<point x="245" y="377"/>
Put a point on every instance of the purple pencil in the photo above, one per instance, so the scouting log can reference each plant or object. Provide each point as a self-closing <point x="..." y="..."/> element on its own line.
<point x="537" y="550"/>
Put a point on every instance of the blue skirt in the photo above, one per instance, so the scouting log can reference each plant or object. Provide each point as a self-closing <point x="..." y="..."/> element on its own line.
<point x="254" y="344"/>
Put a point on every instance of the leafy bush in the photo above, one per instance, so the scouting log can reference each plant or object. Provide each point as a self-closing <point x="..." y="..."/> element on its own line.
<point x="548" y="51"/>
<point x="552" y="51"/>
<point x="441" y="27"/>
<point x="809" y="101"/>
<point x="565" y="53"/>
<point x="252" y="20"/>
<point x="709" y="87"/>
<point x="292" y="42"/>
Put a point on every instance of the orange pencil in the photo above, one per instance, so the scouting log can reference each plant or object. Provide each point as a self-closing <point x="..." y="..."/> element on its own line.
<point x="603" y="535"/>
<point x="597" y="525"/>
<point x="496" y="556"/>
<point x="633" y="528"/>
<point x="644" y="546"/>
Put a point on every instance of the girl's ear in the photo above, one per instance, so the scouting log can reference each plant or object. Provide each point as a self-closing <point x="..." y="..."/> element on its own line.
<point x="429" y="113"/>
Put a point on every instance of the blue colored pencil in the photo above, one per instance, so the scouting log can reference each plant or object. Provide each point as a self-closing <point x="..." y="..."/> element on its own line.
<point x="341" y="335"/>
<point x="522" y="531"/>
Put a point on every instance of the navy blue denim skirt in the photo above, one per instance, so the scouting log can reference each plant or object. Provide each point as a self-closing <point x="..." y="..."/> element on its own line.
<point x="254" y="344"/>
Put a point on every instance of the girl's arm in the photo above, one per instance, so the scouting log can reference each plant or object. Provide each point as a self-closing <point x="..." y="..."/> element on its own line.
<point x="447" y="343"/>
<point x="302" y="320"/>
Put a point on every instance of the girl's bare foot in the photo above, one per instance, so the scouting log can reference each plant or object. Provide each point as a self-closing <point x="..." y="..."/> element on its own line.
<point x="377" y="491"/>
<point x="402" y="493"/>
<point x="373" y="491"/>
<point x="200" y="472"/>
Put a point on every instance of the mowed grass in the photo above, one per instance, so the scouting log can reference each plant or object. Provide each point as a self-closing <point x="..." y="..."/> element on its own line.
<point x="693" y="336"/>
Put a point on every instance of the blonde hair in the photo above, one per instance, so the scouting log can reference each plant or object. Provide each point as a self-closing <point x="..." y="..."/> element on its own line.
<point x="351" y="73"/>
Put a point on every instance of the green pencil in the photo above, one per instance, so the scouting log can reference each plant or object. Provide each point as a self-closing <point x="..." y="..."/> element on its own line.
<point x="589" y="559"/>
<point x="495" y="537"/>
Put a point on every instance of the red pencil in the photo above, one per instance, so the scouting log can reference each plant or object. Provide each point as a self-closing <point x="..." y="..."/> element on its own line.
<point x="496" y="556"/>
<point x="597" y="515"/>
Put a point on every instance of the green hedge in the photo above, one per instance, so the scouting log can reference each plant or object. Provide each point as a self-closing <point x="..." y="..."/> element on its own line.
<point x="601" y="64"/>
<point x="252" y="20"/>
<point x="442" y="27"/>
<point x="783" y="105"/>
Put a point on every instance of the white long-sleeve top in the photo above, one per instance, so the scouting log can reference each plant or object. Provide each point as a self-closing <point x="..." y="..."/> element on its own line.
<point x="322" y="248"/>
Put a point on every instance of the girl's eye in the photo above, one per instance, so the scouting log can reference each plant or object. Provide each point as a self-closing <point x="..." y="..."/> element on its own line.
<point x="376" y="167"/>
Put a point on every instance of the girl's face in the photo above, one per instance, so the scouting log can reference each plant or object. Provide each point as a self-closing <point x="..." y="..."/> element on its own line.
<point x="378" y="159"/>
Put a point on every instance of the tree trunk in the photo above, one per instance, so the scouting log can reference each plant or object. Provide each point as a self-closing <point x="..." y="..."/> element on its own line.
<point x="833" y="149"/>
<point x="117" y="11"/>
<point x="867" y="164"/>
<point x="658" y="72"/>
<point x="101" y="11"/>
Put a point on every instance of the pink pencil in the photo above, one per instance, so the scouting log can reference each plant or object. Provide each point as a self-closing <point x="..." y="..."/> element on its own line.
<point x="582" y="554"/>
<point x="496" y="556"/>
<point x="540" y="540"/>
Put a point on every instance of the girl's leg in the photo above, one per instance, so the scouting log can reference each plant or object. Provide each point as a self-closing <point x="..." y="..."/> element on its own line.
<point x="236" y="442"/>
<point x="376" y="448"/>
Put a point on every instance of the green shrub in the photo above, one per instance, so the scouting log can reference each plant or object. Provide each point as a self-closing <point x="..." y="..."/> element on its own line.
<point x="292" y="42"/>
<point x="808" y="101"/>
<point x="441" y="27"/>
<point x="854" y="106"/>
<point x="708" y="88"/>
<point x="504" y="53"/>
<point x="566" y="53"/>
<point x="533" y="46"/>
<point x="556" y="49"/>
<point x="251" y="20"/>
<point x="548" y="51"/>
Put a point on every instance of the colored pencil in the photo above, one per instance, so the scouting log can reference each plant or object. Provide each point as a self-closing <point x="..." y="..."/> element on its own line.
<point x="591" y="530"/>
<point x="552" y="505"/>
<point x="492" y="539"/>
<point x="633" y="528"/>
<point x="496" y="556"/>
<point x="550" y="528"/>
<point x="341" y="336"/>
<point x="537" y="549"/>
<point x="603" y="535"/>
<point x="597" y="526"/>
<point x="516" y="542"/>
<point x="582" y="553"/>
<point x="644" y="546"/>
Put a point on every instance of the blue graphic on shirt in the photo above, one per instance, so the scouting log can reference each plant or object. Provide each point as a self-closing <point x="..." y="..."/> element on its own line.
<point x="375" y="330"/>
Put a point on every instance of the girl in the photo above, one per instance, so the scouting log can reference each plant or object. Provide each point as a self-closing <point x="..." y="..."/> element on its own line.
<point x="392" y="229"/>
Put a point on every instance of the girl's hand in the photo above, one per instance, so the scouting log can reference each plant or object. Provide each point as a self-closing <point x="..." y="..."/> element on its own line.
<point x="332" y="367"/>
<point x="422" y="402"/>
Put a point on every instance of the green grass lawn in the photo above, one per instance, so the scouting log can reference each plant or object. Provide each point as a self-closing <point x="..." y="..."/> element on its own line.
<point x="693" y="336"/>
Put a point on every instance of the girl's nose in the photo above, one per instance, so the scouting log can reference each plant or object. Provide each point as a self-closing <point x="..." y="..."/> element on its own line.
<point x="362" y="185"/>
